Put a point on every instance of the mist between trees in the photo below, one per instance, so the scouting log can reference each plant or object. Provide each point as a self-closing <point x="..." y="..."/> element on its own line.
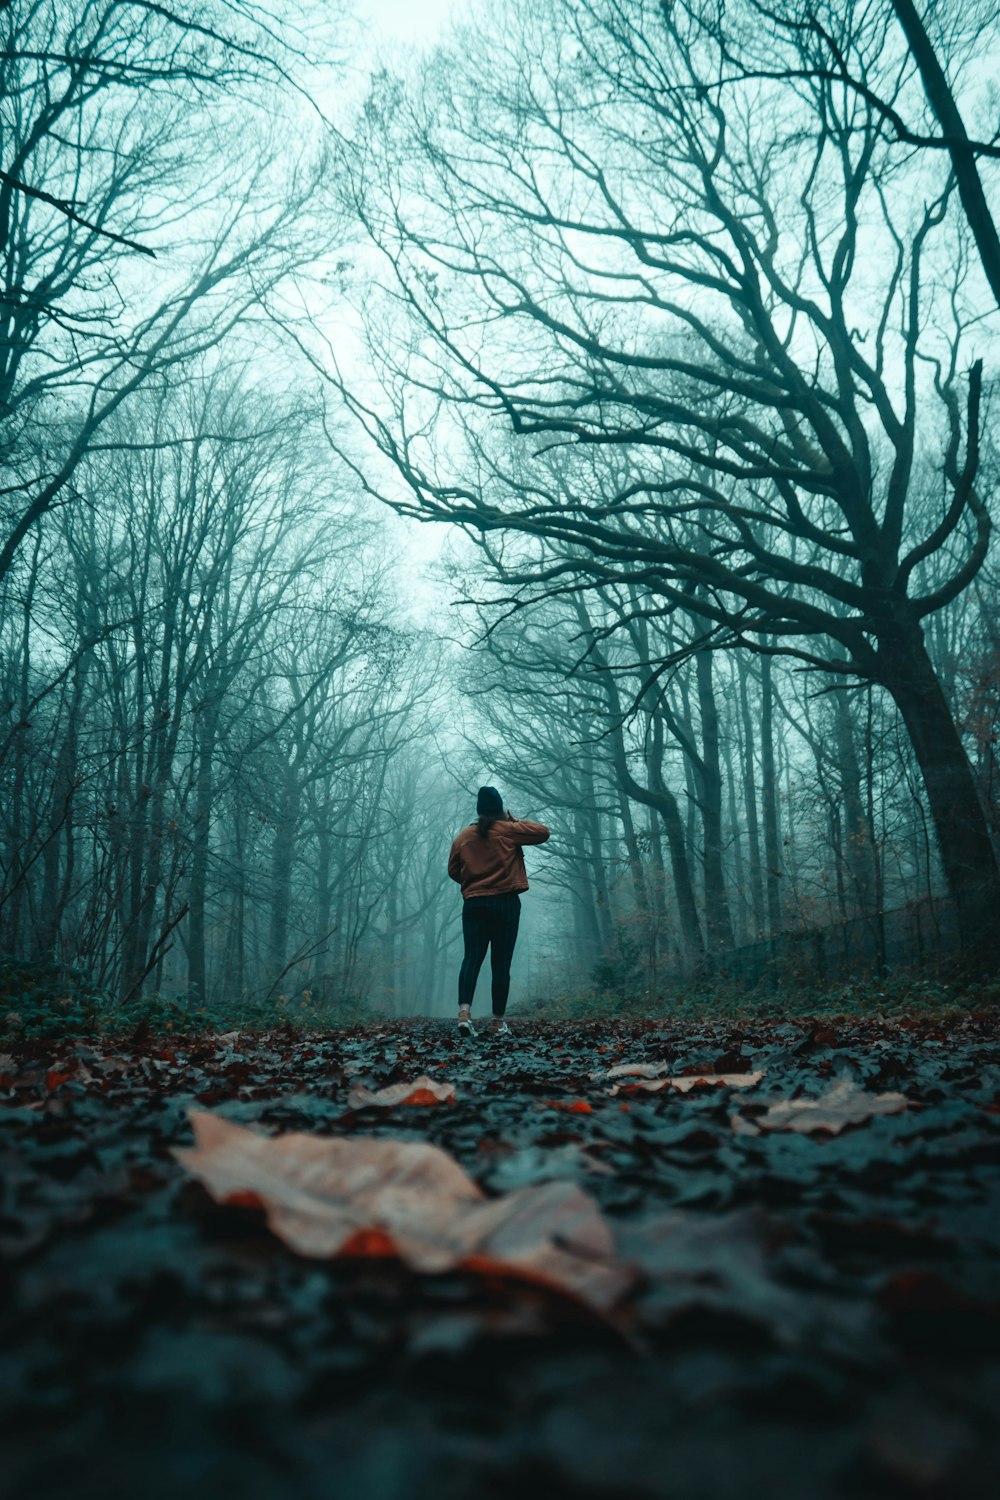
<point x="681" y="315"/>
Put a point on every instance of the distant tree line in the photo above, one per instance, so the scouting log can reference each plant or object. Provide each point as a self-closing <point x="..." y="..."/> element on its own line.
<point x="212" y="782"/>
<point x="211" y="779"/>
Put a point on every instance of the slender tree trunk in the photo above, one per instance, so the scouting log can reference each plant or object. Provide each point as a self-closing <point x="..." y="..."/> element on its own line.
<point x="673" y="826"/>
<point x="60" y="817"/>
<point x="595" y="853"/>
<point x="18" y="805"/>
<point x="656" y="795"/>
<point x="200" y="833"/>
<point x="750" y="804"/>
<point x="640" y="884"/>
<point x="740" y="933"/>
<point x="323" y="962"/>
<point x="718" y="923"/>
<point x="857" y="835"/>
<point x="236" y="946"/>
<point x="282" y="859"/>
<point x="772" y="834"/>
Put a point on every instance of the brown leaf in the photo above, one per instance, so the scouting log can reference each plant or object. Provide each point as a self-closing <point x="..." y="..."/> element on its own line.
<point x="844" y="1103"/>
<point x="422" y="1090"/>
<point x="333" y="1196"/>
<point x="685" y="1082"/>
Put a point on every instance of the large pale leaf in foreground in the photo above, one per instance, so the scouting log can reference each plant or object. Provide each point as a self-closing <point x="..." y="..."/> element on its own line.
<point x="335" y="1196"/>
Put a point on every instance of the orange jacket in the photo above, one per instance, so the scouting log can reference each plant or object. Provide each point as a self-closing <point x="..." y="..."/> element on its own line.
<point x="495" y="864"/>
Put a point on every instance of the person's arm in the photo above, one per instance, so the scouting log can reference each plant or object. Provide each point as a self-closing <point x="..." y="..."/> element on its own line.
<point x="455" y="863"/>
<point x="524" y="831"/>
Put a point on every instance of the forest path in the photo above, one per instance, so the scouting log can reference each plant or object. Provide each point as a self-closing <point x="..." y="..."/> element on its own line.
<point x="808" y="1301"/>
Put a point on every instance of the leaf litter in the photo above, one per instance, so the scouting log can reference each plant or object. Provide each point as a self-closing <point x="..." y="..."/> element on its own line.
<point x="279" y="1235"/>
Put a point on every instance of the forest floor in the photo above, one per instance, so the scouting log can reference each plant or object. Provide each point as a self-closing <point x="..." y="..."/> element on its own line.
<point x="764" y="1262"/>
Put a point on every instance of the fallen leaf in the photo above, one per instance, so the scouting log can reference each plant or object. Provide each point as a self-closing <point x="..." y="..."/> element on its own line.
<point x="422" y="1090"/>
<point x="572" y="1106"/>
<point x="844" y="1103"/>
<point x="637" y="1070"/>
<point x="685" y="1082"/>
<point x="338" y="1197"/>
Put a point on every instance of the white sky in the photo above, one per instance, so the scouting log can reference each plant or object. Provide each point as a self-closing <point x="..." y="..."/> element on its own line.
<point x="417" y="21"/>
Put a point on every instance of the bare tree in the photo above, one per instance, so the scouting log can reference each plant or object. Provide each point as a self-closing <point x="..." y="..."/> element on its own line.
<point x="145" y="209"/>
<point x="756" y="310"/>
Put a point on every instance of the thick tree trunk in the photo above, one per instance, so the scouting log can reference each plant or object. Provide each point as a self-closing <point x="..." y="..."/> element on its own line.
<point x="594" y="848"/>
<point x="967" y="853"/>
<point x="590" y="938"/>
<point x="960" y="148"/>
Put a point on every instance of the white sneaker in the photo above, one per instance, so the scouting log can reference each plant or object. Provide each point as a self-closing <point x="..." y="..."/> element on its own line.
<point x="502" y="1030"/>
<point x="465" y="1027"/>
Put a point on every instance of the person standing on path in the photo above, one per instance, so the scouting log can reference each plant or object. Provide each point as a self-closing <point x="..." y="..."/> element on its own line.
<point x="486" y="861"/>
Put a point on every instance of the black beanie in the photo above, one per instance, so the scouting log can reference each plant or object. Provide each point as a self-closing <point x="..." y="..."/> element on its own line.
<point x="489" y="803"/>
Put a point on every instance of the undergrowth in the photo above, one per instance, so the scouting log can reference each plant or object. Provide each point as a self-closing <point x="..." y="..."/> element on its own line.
<point x="45" y="999"/>
<point x="40" y="998"/>
<point x="910" y="995"/>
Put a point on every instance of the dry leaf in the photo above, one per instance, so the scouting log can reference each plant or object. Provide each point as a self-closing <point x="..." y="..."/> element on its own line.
<point x="842" y="1104"/>
<point x="364" y="1196"/>
<point x="638" y="1070"/>
<point x="686" y="1081"/>
<point x="422" y="1090"/>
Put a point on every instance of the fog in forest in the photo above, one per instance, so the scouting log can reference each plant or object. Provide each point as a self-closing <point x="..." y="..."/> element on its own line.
<point x="594" y="400"/>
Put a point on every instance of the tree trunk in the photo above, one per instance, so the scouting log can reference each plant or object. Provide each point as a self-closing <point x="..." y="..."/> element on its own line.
<point x="772" y="836"/>
<point x="718" y="923"/>
<point x="640" y="884"/>
<point x="594" y="850"/>
<point x="857" y="845"/>
<point x="960" y="148"/>
<point x="964" y="842"/>
<point x="666" y="805"/>
<point x="658" y="796"/>
<point x="750" y="802"/>
<point x="739" y="873"/>
<point x="282" y="860"/>
<point x="202" y="824"/>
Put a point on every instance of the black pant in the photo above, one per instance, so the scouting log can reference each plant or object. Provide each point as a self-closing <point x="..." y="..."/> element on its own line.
<point x="489" y="922"/>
